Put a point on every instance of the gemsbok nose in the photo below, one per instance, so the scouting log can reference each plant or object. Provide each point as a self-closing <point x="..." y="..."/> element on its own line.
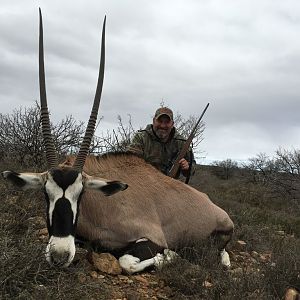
<point x="60" y="251"/>
<point x="59" y="259"/>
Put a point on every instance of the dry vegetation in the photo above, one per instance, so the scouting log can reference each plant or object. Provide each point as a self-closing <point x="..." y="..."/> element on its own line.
<point x="263" y="200"/>
<point x="263" y="267"/>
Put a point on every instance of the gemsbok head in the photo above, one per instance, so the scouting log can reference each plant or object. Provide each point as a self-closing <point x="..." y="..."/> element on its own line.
<point x="63" y="185"/>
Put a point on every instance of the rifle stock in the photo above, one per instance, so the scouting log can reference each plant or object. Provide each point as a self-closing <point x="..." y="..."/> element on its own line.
<point x="173" y="171"/>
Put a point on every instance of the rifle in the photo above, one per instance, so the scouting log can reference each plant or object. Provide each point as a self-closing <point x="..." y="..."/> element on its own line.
<point x="174" y="169"/>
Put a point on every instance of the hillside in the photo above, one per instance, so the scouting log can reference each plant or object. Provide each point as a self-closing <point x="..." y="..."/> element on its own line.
<point x="264" y="252"/>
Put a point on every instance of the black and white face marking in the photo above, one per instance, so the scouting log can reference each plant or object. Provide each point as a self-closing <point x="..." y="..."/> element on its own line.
<point x="63" y="190"/>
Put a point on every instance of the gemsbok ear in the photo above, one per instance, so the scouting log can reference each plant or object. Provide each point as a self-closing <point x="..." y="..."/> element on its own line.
<point x="25" y="181"/>
<point x="106" y="187"/>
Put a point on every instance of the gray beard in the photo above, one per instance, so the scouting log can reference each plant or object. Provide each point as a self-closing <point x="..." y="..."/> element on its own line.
<point x="162" y="134"/>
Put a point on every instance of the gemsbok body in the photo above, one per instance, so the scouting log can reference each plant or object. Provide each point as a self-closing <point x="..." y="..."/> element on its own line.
<point x="142" y="225"/>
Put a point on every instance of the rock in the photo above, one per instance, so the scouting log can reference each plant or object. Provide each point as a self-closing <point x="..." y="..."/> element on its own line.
<point x="141" y="279"/>
<point x="43" y="231"/>
<point x="42" y="234"/>
<point x="291" y="294"/>
<point x="255" y="254"/>
<point x="105" y="262"/>
<point x="265" y="257"/>
<point x="241" y="245"/>
<point x="94" y="274"/>
<point x="207" y="284"/>
<point x="81" y="278"/>
<point x="123" y="277"/>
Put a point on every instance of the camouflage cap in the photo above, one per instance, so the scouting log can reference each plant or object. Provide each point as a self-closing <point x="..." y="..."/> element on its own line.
<point x="163" y="111"/>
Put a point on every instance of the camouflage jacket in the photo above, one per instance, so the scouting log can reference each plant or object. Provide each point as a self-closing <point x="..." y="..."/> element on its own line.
<point x="160" y="154"/>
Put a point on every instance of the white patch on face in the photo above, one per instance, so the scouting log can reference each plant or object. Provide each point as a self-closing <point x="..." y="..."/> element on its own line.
<point x="54" y="192"/>
<point x="72" y="193"/>
<point x="60" y="250"/>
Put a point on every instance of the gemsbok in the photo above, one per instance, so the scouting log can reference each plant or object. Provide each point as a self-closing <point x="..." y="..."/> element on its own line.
<point x="142" y="225"/>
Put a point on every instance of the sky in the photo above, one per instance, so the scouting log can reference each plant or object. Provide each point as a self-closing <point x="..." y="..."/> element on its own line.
<point x="241" y="56"/>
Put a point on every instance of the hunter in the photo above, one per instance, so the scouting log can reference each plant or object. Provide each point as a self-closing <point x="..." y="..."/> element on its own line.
<point x="159" y="144"/>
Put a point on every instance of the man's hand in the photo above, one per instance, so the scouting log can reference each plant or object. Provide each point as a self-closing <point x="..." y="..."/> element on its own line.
<point x="184" y="165"/>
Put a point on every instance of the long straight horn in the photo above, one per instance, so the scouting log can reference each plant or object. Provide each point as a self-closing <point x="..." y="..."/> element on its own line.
<point x="48" y="139"/>
<point x="85" y="145"/>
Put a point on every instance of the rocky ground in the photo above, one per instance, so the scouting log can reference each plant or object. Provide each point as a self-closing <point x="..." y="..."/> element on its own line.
<point x="104" y="269"/>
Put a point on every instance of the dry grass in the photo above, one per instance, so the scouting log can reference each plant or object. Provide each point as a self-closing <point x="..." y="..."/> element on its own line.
<point x="24" y="273"/>
<point x="268" y="264"/>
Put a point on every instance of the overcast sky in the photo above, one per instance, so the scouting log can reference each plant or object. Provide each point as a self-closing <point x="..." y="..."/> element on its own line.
<point x="241" y="56"/>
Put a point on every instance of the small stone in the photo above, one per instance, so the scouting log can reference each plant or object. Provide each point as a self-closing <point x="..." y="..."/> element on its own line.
<point x="291" y="294"/>
<point x="94" y="274"/>
<point x="141" y="279"/>
<point x="129" y="281"/>
<point x="265" y="257"/>
<point x="241" y="245"/>
<point x="207" y="284"/>
<point x="280" y="232"/>
<point x="106" y="263"/>
<point x="43" y="231"/>
<point x="81" y="277"/>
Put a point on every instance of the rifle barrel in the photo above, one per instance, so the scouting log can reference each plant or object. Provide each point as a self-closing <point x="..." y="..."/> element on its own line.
<point x="174" y="169"/>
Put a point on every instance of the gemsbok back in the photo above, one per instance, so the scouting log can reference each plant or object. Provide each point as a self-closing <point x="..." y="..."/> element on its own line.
<point x="142" y="225"/>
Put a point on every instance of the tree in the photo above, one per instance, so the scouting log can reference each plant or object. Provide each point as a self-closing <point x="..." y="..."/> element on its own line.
<point x="224" y="169"/>
<point x="185" y="126"/>
<point x="116" y="140"/>
<point x="21" y="137"/>
<point x="280" y="173"/>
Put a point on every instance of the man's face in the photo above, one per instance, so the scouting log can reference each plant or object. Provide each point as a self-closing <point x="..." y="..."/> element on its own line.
<point x="162" y="127"/>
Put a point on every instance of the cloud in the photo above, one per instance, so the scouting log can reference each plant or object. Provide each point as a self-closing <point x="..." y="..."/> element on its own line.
<point x="242" y="57"/>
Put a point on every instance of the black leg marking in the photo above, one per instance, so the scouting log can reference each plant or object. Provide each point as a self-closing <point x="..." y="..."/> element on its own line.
<point x="145" y="250"/>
